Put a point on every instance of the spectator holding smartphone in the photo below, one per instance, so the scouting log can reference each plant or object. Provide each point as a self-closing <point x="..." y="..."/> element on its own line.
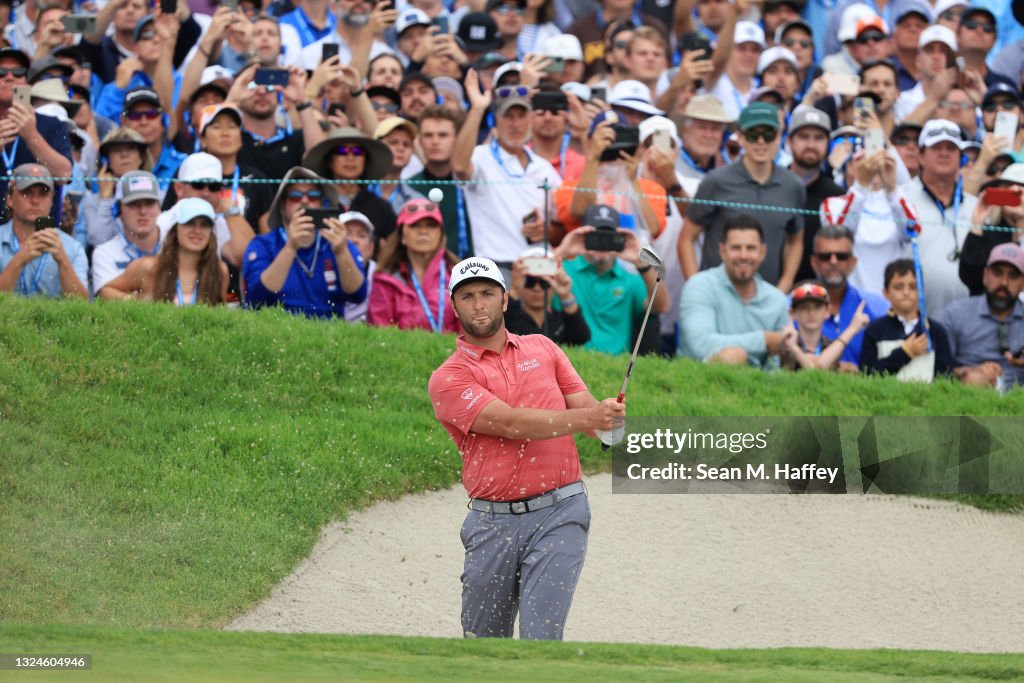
<point x="531" y="298"/>
<point x="1009" y="212"/>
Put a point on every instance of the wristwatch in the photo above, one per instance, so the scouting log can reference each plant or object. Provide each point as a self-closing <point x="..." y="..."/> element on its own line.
<point x="303" y="106"/>
<point x="674" y="189"/>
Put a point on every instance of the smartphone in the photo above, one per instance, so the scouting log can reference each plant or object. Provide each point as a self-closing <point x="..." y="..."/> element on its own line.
<point x="604" y="239"/>
<point x="1006" y="126"/>
<point x="556" y="66"/>
<point x="842" y="84"/>
<point x="540" y="265"/>
<point x="268" y="76"/>
<point x="694" y="42"/>
<point x="1001" y="196"/>
<point x="627" y="139"/>
<point x="168" y="6"/>
<point x="320" y="215"/>
<point x="230" y="4"/>
<point x="329" y="50"/>
<point x="862" y="108"/>
<point x="599" y="94"/>
<point x="874" y="140"/>
<point x="23" y="94"/>
<point x="961" y="65"/>
<point x="550" y="101"/>
<point x="79" y="23"/>
<point x="662" y="139"/>
<point x="44" y="223"/>
<point x="441" y="22"/>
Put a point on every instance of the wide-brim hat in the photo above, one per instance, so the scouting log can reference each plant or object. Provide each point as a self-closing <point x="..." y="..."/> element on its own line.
<point x="274" y="216"/>
<point x="54" y="90"/>
<point x="378" y="155"/>
<point x="127" y="136"/>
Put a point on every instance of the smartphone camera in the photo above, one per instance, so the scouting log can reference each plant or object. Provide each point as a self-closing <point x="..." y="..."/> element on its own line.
<point x="627" y="139"/>
<point x="604" y="239"/>
<point x="44" y="223"/>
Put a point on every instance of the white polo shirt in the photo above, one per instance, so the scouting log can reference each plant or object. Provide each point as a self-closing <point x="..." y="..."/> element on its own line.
<point x="501" y="194"/>
<point x="110" y="259"/>
<point x="940" y="236"/>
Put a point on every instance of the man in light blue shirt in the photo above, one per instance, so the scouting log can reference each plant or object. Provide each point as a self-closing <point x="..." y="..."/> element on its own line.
<point x="729" y="314"/>
<point x="34" y="259"/>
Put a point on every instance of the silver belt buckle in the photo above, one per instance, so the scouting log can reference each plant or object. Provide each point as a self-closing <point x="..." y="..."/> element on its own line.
<point x="518" y="507"/>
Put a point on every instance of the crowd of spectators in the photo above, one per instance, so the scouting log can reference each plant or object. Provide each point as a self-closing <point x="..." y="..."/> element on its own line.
<point x="831" y="185"/>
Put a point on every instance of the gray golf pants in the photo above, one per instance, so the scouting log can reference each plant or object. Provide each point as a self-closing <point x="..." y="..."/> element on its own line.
<point x="527" y="563"/>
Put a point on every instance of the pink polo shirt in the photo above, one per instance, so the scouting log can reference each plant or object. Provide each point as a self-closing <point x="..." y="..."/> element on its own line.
<point x="530" y="372"/>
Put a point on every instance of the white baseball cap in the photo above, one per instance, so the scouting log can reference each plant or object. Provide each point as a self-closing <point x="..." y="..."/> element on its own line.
<point x="191" y="208"/>
<point x="200" y="166"/>
<point x="564" y="45"/>
<point x="506" y="68"/>
<point x="409" y="18"/>
<point x="357" y="217"/>
<point x="748" y="32"/>
<point x="215" y="73"/>
<point x="475" y="268"/>
<point x="776" y="54"/>
<point x="940" y="130"/>
<point x="937" y="33"/>
<point x="581" y="91"/>
<point x="650" y="126"/>
<point x="943" y="5"/>
<point x="853" y="15"/>
<point x="636" y="96"/>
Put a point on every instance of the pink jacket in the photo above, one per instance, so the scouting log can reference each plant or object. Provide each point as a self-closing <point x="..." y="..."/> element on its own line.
<point x="393" y="299"/>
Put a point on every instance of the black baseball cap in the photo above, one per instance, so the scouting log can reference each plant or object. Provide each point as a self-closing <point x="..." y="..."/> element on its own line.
<point x="414" y="76"/>
<point x="479" y="32"/>
<point x="601" y="216"/>
<point x="384" y="91"/>
<point x="1001" y="88"/>
<point x="136" y="95"/>
<point x="11" y="53"/>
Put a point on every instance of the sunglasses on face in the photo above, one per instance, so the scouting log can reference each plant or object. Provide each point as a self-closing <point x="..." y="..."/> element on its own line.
<point x="16" y="71"/>
<point x="951" y="15"/>
<point x="870" y="38"/>
<point x="508" y="9"/>
<point x="211" y="186"/>
<point x="510" y="91"/>
<point x="297" y="195"/>
<point x="802" y="42"/>
<point x="418" y="207"/>
<point x="385" y="106"/>
<point x="827" y="255"/>
<point x="346" y="150"/>
<point x="530" y="282"/>
<point x="148" y="114"/>
<point x="973" y="24"/>
<point x="1005" y="105"/>
<point x="903" y="140"/>
<point x="620" y="44"/>
<point x="767" y="135"/>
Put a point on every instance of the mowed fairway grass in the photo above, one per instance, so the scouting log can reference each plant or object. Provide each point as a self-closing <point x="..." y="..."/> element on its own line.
<point x="164" y="468"/>
<point x="209" y="656"/>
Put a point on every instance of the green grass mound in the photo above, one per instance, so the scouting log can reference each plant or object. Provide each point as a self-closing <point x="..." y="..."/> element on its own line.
<point x="165" y="468"/>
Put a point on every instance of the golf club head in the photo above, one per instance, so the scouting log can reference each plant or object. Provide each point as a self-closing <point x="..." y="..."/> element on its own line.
<point x="651" y="258"/>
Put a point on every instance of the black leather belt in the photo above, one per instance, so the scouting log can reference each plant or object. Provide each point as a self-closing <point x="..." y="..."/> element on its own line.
<point x="519" y="507"/>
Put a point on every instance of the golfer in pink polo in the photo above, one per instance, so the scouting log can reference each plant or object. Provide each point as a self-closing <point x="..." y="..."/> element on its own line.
<point x="511" y="404"/>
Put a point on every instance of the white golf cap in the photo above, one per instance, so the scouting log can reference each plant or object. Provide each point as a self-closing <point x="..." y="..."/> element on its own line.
<point x="356" y="217"/>
<point x="215" y="73"/>
<point x="200" y="166"/>
<point x="853" y="15"/>
<point x="943" y="5"/>
<point x="564" y="45"/>
<point x="409" y="18"/>
<point x="748" y="32"/>
<point x="507" y="68"/>
<point x="937" y="33"/>
<point x="634" y="95"/>
<point x="776" y="54"/>
<point x="1014" y="173"/>
<point x="189" y="209"/>
<point x="475" y="268"/>
<point x="650" y="126"/>
<point x="581" y="91"/>
<point x="940" y="130"/>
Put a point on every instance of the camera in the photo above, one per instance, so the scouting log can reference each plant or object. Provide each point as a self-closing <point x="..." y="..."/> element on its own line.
<point x="627" y="139"/>
<point x="604" y="239"/>
<point x="79" y="23"/>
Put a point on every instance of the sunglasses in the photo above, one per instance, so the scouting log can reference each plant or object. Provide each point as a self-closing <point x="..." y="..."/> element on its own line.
<point x="211" y="186"/>
<point x="530" y="282"/>
<point x="297" y="195"/>
<point x="386" y="106"/>
<point x="346" y="150"/>
<point x="620" y="44"/>
<point x="16" y="71"/>
<point x="419" y="207"/>
<point x="972" y="24"/>
<point x="509" y="9"/>
<point x="1005" y="105"/>
<point x="956" y="106"/>
<point x="766" y="135"/>
<point x="870" y="38"/>
<point x="802" y="42"/>
<point x="952" y="15"/>
<point x="903" y="140"/>
<point x="512" y="91"/>
<point x="809" y="291"/>
<point x="827" y="255"/>
<point x="148" y="114"/>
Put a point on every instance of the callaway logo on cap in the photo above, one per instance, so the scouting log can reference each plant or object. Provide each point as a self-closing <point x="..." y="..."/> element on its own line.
<point x="475" y="268"/>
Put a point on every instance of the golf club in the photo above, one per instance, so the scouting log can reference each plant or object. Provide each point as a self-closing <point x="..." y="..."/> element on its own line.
<point x="650" y="258"/>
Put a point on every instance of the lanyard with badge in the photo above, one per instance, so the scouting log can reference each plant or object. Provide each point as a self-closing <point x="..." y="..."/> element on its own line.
<point x="23" y="279"/>
<point x="435" y="323"/>
<point x="501" y="162"/>
<point x="460" y="214"/>
<point x="234" y="186"/>
<point x="9" y="158"/>
<point x="958" y="195"/>
<point x="181" y="297"/>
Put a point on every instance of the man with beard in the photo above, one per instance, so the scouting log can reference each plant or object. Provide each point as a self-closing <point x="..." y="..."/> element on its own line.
<point x="832" y="262"/>
<point x="986" y="332"/>
<point x="511" y="405"/>
<point x="351" y="33"/>
<point x="729" y="314"/>
<point x="808" y="142"/>
<point x="551" y="132"/>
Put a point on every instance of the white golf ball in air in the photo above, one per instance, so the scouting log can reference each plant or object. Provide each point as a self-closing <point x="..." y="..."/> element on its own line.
<point x="435" y="195"/>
